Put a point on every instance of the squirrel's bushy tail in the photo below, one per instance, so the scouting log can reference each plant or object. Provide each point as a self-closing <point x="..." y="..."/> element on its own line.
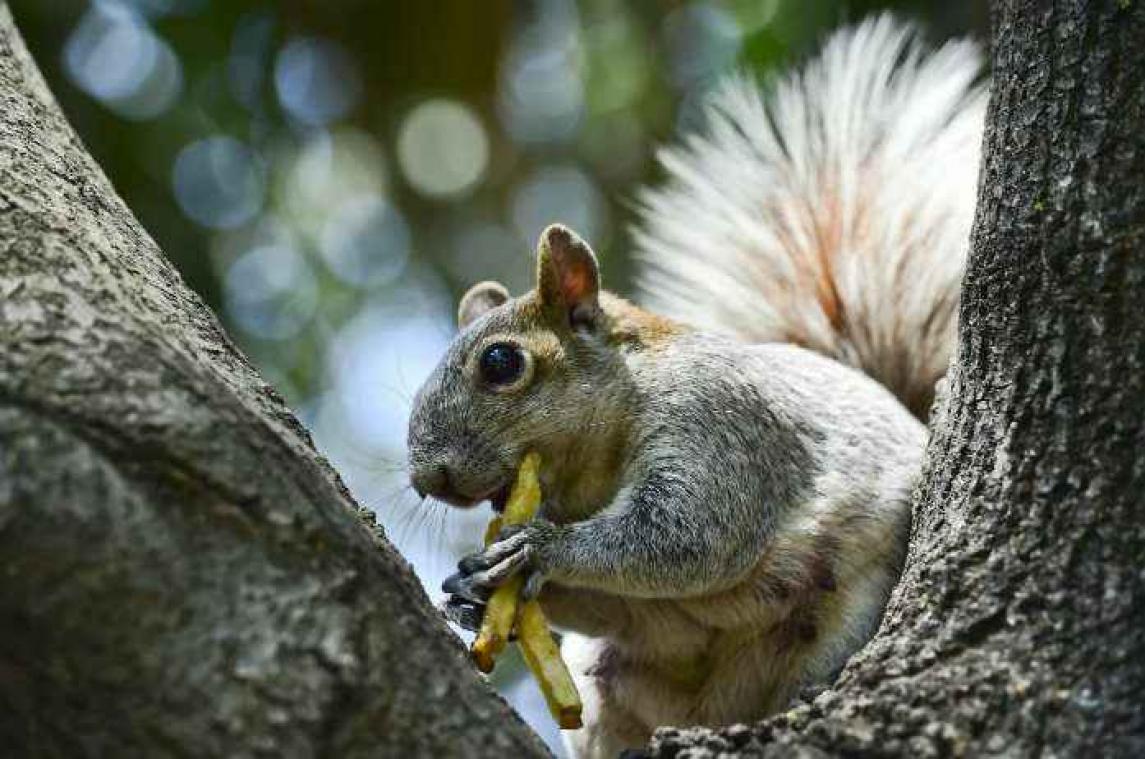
<point x="834" y="211"/>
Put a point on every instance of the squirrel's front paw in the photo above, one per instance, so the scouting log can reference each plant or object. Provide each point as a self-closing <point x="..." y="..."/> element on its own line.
<point x="464" y="613"/>
<point x="518" y="549"/>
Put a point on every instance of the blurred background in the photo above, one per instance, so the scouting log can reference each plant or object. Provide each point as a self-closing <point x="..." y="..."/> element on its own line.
<point x="330" y="175"/>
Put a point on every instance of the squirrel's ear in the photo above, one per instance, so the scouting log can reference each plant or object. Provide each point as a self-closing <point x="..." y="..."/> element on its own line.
<point x="479" y="299"/>
<point x="568" y="278"/>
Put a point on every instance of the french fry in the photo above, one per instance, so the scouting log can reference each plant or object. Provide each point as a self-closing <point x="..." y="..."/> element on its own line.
<point x="498" y="620"/>
<point x="544" y="659"/>
<point x="496" y="625"/>
<point x="501" y="611"/>
<point x="533" y="635"/>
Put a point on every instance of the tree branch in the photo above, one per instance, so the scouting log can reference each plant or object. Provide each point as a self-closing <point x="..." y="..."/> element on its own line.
<point x="184" y="575"/>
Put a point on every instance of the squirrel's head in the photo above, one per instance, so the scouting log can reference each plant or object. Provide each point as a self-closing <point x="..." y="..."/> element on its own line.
<point x="523" y="373"/>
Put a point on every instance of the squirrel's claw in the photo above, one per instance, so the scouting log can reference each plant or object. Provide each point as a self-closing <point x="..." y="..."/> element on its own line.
<point x="458" y="585"/>
<point x="478" y="585"/>
<point x="516" y="550"/>
<point x="463" y="612"/>
<point x="467" y="615"/>
<point x="513" y="552"/>
<point x="509" y="540"/>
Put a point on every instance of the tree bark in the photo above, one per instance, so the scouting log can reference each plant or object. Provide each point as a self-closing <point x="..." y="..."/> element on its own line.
<point x="1019" y="625"/>
<point x="183" y="573"/>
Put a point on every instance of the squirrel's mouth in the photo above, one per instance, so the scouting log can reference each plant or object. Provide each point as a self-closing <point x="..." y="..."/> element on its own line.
<point x="496" y="497"/>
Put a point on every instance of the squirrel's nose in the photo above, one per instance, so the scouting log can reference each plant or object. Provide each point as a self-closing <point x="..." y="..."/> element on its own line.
<point x="443" y="483"/>
<point x="430" y="479"/>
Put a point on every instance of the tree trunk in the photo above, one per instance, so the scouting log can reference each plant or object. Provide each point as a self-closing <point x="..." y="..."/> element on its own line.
<point x="183" y="574"/>
<point x="1019" y="625"/>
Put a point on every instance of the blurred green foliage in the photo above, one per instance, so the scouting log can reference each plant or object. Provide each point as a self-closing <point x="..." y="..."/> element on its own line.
<point x="641" y="66"/>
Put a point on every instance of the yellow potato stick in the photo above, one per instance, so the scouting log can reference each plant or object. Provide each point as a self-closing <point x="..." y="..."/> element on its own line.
<point x="496" y="625"/>
<point x="544" y="659"/>
<point x="501" y="611"/>
<point x="495" y="525"/>
<point x="525" y="497"/>
<point x="533" y="635"/>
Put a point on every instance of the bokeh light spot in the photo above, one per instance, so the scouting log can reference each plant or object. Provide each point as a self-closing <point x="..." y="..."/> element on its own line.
<point x="541" y="93"/>
<point x="377" y="360"/>
<point x="316" y="80"/>
<point x="485" y="249"/>
<point x="558" y="194"/>
<point x="328" y="171"/>
<point x="218" y="182"/>
<point x="114" y="56"/>
<point x="702" y="41"/>
<point x="442" y="149"/>
<point x="270" y="292"/>
<point x="366" y="242"/>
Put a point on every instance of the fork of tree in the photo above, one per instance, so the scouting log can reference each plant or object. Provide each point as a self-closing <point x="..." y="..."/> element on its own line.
<point x="185" y="574"/>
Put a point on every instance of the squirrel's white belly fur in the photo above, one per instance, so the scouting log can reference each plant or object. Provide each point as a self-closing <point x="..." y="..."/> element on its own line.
<point x="699" y="674"/>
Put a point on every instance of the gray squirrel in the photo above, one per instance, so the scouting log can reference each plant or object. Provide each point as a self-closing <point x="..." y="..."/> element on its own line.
<point x="726" y="475"/>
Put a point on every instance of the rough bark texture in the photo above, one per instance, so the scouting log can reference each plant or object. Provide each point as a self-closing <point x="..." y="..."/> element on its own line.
<point x="1019" y="625"/>
<point x="183" y="574"/>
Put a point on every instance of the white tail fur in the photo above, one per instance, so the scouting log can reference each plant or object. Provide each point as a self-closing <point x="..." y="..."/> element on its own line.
<point x="833" y="212"/>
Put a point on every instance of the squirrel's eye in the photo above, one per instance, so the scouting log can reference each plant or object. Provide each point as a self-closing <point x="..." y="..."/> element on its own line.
<point x="502" y="364"/>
